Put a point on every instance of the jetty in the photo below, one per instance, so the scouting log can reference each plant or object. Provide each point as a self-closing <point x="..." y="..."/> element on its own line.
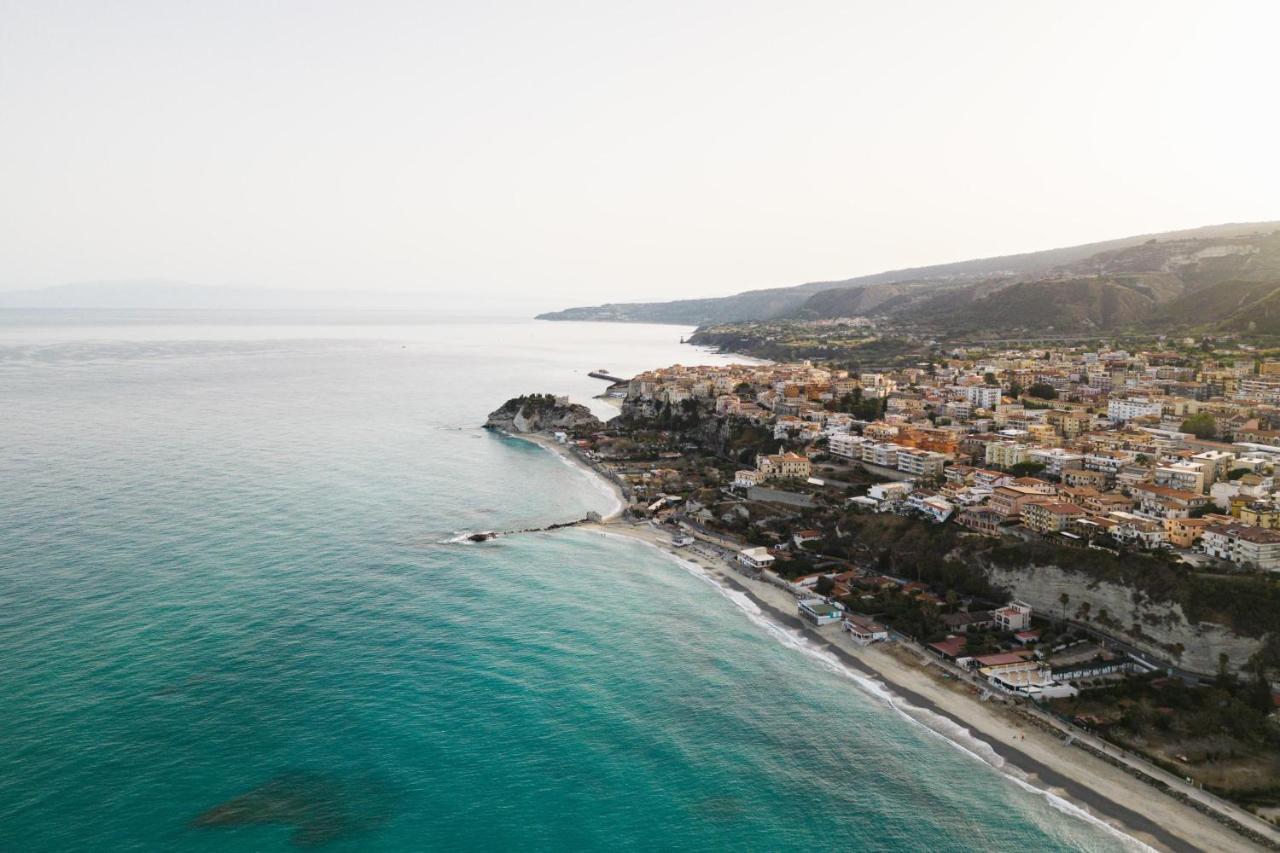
<point x="606" y="376"/>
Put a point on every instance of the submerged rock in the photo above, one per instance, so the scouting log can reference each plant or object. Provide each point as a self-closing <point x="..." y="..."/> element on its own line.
<point x="319" y="807"/>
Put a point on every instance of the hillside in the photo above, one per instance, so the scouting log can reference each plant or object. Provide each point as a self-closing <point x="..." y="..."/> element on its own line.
<point x="1202" y="283"/>
<point x="1104" y="285"/>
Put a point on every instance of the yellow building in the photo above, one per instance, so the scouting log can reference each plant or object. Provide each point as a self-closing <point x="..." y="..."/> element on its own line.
<point x="1184" y="532"/>
<point x="1266" y="516"/>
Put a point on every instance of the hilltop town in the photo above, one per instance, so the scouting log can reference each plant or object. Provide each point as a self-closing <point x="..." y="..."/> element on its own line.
<point x="1096" y="531"/>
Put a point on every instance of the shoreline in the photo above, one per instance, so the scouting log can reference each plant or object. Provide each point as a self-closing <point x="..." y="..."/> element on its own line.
<point x="575" y="461"/>
<point x="1030" y="756"/>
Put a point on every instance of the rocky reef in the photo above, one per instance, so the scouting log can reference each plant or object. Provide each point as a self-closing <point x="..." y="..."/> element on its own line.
<point x="530" y="413"/>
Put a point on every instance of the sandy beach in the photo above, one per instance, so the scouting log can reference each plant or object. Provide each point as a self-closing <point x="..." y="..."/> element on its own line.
<point x="568" y="455"/>
<point x="1003" y="736"/>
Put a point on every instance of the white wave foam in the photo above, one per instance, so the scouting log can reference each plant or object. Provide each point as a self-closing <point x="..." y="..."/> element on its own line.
<point x="954" y="734"/>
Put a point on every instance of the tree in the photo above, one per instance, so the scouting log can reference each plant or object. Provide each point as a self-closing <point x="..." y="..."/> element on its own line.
<point x="1043" y="390"/>
<point x="1015" y="390"/>
<point x="1026" y="469"/>
<point x="1201" y="425"/>
<point x="824" y="585"/>
<point x="1064" y="600"/>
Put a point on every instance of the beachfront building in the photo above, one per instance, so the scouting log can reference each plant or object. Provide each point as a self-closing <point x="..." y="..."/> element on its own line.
<point x="755" y="558"/>
<point x="819" y="611"/>
<point x="864" y="629"/>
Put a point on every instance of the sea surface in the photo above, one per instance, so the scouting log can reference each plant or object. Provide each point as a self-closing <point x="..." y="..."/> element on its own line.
<point x="232" y="618"/>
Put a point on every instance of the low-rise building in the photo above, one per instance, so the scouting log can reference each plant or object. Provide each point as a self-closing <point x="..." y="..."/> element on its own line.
<point x="1245" y="546"/>
<point x="864" y="629"/>
<point x="756" y="558"/>
<point x="819" y="611"/>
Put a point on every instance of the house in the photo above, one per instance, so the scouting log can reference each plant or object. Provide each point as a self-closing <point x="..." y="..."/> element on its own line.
<point x="1009" y="500"/>
<point x="1014" y="617"/>
<point x="933" y="507"/>
<point x="784" y="466"/>
<point x="968" y="620"/>
<point x="1083" y="477"/>
<point x="952" y="648"/>
<point x="1136" y="530"/>
<point x="1185" y="532"/>
<point x="800" y="537"/>
<point x="747" y="478"/>
<point x="864" y="629"/>
<point x="1163" y="502"/>
<point x="819" y="611"/>
<point x="756" y="558"/>
<point x="981" y="520"/>
<point x="882" y="492"/>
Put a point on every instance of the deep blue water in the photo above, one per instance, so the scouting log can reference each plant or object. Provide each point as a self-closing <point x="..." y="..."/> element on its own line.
<point x="224" y="571"/>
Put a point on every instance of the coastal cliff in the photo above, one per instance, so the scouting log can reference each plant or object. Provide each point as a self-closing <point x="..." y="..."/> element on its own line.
<point x="530" y="413"/>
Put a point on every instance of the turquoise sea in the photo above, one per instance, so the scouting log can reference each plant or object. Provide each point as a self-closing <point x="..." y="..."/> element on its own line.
<point x="226" y="584"/>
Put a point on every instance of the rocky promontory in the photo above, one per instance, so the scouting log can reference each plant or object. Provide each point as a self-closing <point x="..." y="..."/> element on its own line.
<point x="530" y="413"/>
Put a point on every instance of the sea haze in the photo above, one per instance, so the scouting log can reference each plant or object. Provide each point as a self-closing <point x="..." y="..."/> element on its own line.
<point x="232" y="618"/>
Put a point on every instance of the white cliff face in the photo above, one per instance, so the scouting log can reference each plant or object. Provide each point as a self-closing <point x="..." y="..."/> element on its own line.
<point x="1162" y="625"/>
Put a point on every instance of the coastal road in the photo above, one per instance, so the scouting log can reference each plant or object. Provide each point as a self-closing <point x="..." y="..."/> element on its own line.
<point x="1211" y="802"/>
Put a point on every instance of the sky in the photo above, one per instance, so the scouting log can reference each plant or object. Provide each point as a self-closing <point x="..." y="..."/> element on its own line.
<point x="552" y="154"/>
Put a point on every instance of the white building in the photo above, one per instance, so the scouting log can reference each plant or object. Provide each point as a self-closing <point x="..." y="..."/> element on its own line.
<point x="934" y="507"/>
<point x="884" y="455"/>
<point x="983" y="396"/>
<point x="925" y="464"/>
<point x="756" y="558"/>
<point x="1120" y="411"/>
<point x="846" y="445"/>
<point x="1242" y="545"/>
<point x="864" y="629"/>
<point x="1055" y="459"/>
<point x="819" y="611"/>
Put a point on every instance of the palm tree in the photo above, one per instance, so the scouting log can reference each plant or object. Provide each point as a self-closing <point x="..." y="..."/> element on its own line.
<point x="1064" y="599"/>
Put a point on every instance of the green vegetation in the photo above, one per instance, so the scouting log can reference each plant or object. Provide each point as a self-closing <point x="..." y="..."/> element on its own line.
<point x="1043" y="390"/>
<point x="1218" y="734"/>
<point x="1201" y="425"/>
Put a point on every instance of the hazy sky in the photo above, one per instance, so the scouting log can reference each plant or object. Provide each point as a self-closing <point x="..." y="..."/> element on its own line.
<point x="564" y="153"/>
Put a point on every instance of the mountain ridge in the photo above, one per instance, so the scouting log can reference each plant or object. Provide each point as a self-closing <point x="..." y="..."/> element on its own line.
<point x="906" y="292"/>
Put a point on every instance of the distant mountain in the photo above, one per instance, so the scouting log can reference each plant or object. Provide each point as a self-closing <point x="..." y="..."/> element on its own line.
<point x="1097" y="285"/>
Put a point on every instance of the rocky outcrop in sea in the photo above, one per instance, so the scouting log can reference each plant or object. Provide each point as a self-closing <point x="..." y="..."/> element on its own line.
<point x="530" y="413"/>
